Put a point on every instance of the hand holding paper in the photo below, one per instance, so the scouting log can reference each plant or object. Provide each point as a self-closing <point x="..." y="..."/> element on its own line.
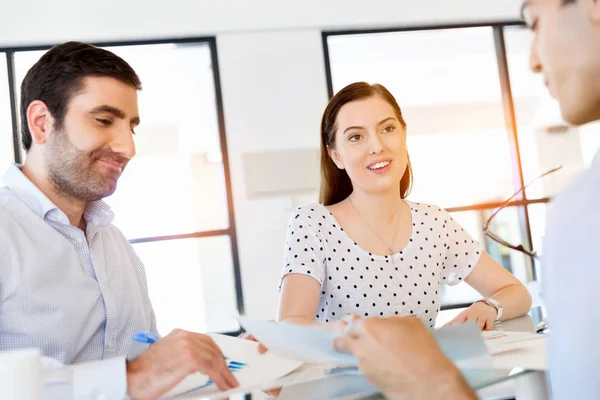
<point x="297" y="342"/>
<point x="461" y="343"/>
<point x="250" y="368"/>
<point x="172" y="359"/>
<point x="400" y="356"/>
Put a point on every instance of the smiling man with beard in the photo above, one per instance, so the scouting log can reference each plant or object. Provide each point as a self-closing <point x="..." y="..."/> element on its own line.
<point x="70" y="282"/>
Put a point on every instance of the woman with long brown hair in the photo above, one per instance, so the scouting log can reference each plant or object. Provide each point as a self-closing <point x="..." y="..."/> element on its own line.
<point x="364" y="249"/>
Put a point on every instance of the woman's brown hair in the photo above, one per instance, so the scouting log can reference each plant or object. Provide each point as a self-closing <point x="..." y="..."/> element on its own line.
<point x="335" y="182"/>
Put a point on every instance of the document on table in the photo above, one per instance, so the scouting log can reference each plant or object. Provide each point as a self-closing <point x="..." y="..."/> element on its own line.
<point x="461" y="343"/>
<point x="251" y="369"/>
<point x="309" y="344"/>
<point x="517" y="349"/>
<point x="501" y="341"/>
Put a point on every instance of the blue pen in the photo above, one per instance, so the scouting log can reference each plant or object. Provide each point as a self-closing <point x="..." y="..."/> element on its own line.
<point x="145" y="337"/>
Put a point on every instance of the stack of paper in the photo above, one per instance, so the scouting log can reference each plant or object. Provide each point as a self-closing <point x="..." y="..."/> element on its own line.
<point x="299" y="354"/>
<point x="517" y="349"/>
<point x="500" y="342"/>
<point x="461" y="343"/>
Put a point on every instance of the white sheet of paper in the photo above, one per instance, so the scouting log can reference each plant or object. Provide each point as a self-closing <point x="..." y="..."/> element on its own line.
<point x="492" y="334"/>
<point x="499" y="342"/>
<point x="461" y="343"/>
<point x="518" y="350"/>
<point x="532" y="357"/>
<point x="304" y="343"/>
<point x="313" y="372"/>
<point x="259" y="370"/>
<point x="304" y="374"/>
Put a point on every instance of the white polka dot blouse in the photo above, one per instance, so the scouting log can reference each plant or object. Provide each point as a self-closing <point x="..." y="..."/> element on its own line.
<point x="354" y="281"/>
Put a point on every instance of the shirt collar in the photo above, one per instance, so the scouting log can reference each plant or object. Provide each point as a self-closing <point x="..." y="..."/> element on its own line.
<point x="97" y="213"/>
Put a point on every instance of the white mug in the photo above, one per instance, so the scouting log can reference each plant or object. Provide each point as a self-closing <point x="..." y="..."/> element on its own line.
<point x="21" y="375"/>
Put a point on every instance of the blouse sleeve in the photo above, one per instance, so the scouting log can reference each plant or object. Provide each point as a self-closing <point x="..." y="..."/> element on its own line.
<point x="304" y="253"/>
<point x="462" y="252"/>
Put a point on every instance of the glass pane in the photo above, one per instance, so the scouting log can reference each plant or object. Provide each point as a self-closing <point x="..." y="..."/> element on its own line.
<point x="446" y="82"/>
<point x="191" y="284"/>
<point x="545" y="140"/>
<point x="177" y="175"/>
<point x="6" y="132"/>
<point x="506" y="226"/>
<point x="537" y="223"/>
<point x="23" y="60"/>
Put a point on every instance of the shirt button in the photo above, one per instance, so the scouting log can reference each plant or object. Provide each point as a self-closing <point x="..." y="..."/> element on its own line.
<point x="80" y="240"/>
<point x="101" y="397"/>
<point x="109" y="344"/>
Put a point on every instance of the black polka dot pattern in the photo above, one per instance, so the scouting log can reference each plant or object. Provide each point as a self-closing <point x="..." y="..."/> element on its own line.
<point x="354" y="281"/>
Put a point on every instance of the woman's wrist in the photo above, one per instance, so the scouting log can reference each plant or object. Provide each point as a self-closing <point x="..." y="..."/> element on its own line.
<point x="488" y="307"/>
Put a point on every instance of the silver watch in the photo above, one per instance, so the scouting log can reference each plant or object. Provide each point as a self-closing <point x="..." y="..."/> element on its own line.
<point x="496" y="305"/>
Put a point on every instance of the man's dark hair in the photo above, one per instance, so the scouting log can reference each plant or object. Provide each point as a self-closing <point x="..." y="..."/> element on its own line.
<point x="59" y="75"/>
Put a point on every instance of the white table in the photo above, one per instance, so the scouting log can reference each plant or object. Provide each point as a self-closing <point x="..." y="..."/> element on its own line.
<point x="533" y="386"/>
<point x="529" y="386"/>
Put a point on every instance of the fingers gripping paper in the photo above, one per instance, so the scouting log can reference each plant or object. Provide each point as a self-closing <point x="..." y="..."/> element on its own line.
<point x="461" y="343"/>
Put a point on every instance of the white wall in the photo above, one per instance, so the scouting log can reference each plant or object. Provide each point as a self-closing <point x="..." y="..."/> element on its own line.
<point x="41" y="22"/>
<point x="274" y="102"/>
<point x="272" y="76"/>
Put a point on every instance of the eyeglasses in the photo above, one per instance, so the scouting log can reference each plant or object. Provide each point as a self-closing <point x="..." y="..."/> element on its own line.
<point x="503" y="242"/>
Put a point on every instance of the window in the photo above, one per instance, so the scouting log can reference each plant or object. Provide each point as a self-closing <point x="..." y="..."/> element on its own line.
<point x="191" y="282"/>
<point x="546" y="140"/>
<point x="506" y="225"/>
<point x="6" y="136"/>
<point x="453" y="87"/>
<point x="173" y="200"/>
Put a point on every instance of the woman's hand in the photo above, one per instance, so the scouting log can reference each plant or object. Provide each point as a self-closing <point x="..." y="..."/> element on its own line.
<point x="483" y="315"/>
